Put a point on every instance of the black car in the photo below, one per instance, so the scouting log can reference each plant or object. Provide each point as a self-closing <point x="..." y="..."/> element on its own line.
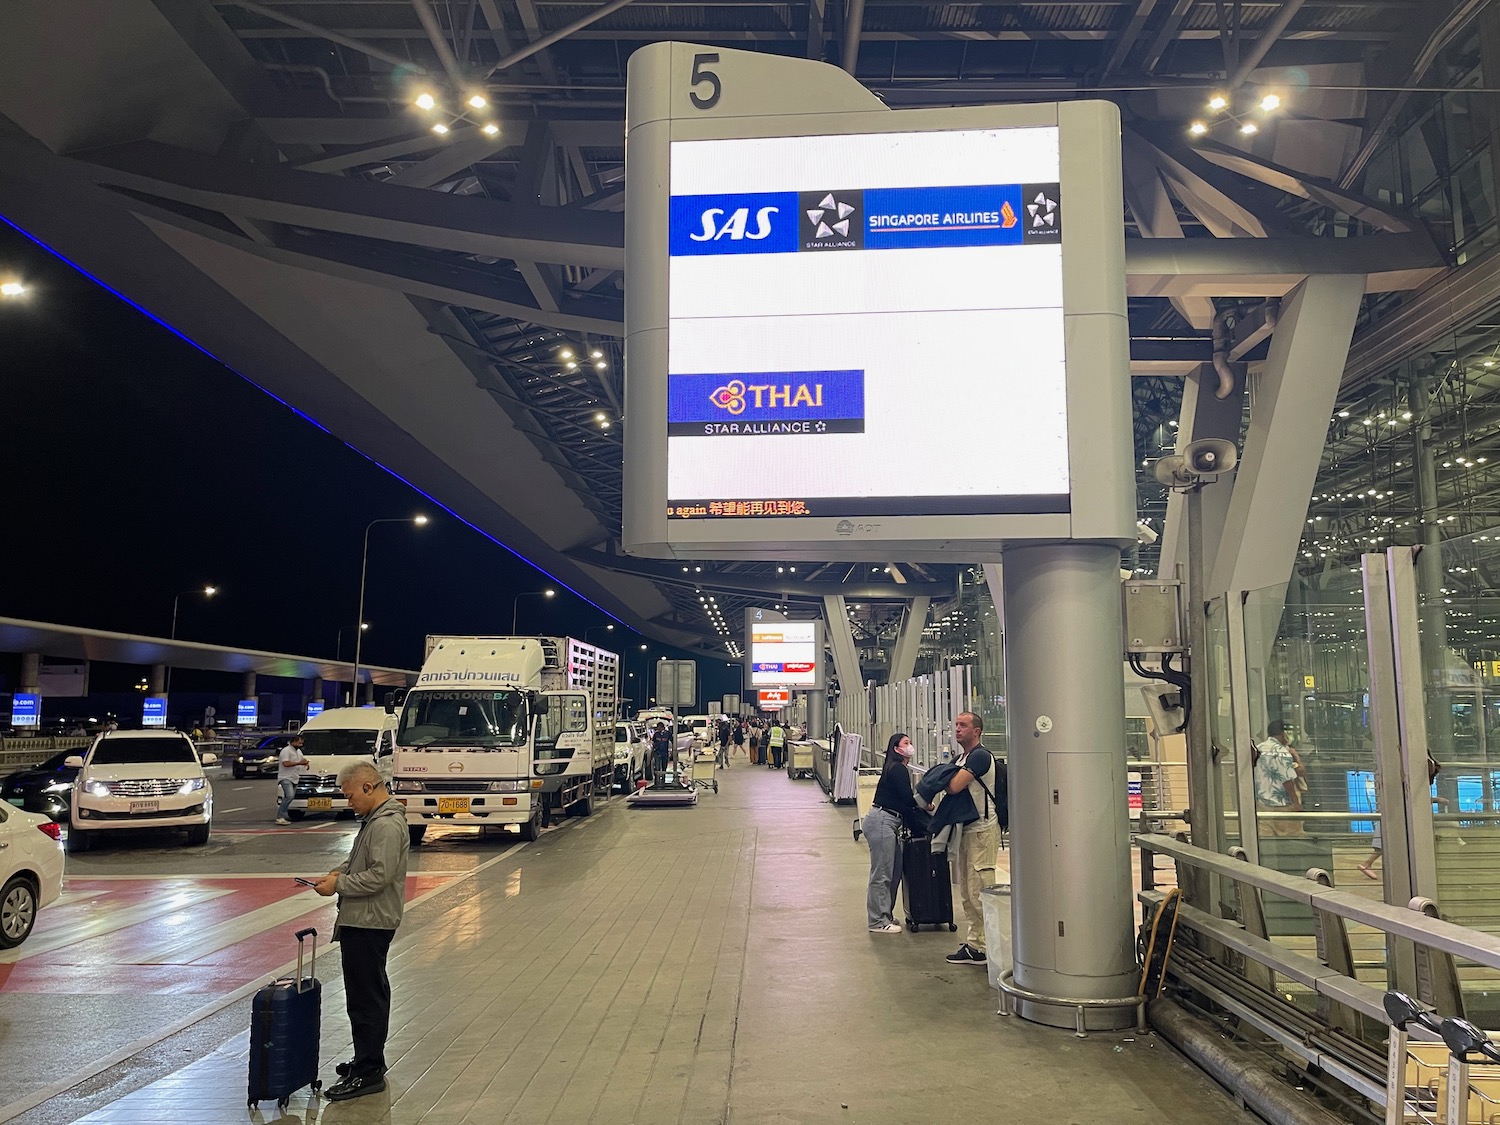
<point x="262" y="759"/>
<point x="46" y="788"/>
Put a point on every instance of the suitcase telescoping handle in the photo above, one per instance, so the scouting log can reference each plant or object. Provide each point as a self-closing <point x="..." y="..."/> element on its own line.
<point x="301" y="935"/>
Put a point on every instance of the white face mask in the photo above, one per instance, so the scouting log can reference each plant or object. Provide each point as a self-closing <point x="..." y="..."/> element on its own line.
<point x="904" y="751"/>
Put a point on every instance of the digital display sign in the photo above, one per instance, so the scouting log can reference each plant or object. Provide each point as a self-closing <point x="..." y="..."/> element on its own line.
<point x="837" y="291"/>
<point x="154" y="711"/>
<point x="774" y="699"/>
<point x="786" y="653"/>
<point x="247" y="714"/>
<point x="315" y="708"/>
<point x="25" y="710"/>
<point x="853" y="328"/>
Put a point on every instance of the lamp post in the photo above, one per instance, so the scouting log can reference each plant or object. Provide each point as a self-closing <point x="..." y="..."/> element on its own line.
<point x="516" y="605"/>
<point x="338" y="644"/>
<point x="207" y="592"/>
<point x="359" y="620"/>
<point x="597" y="629"/>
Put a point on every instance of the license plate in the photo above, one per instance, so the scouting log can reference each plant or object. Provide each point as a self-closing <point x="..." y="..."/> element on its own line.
<point x="319" y="803"/>
<point x="145" y="806"/>
<point x="453" y="804"/>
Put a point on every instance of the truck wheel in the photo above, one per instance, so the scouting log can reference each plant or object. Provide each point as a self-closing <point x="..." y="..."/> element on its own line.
<point x="416" y="832"/>
<point x="532" y="828"/>
<point x="584" y="806"/>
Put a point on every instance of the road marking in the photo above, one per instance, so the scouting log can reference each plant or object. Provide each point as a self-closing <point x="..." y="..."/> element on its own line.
<point x="111" y="922"/>
<point x="242" y="809"/>
<point x="192" y="947"/>
<point x="242" y="788"/>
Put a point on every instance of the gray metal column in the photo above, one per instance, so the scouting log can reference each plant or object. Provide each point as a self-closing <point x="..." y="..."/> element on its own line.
<point x="1070" y="846"/>
<point x="247" y="688"/>
<point x="1431" y="580"/>
<point x="817" y="714"/>
<point x="367" y="691"/>
<point x="908" y="641"/>
<point x="31" y="672"/>
<point x="316" y="690"/>
<point x="157" y="682"/>
<point x="841" y="640"/>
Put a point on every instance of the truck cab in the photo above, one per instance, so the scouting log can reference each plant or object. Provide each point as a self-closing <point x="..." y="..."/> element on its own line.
<point x="501" y="731"/>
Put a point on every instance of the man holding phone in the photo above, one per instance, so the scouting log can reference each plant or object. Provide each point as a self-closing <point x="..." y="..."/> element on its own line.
<point x="371" y="886"/>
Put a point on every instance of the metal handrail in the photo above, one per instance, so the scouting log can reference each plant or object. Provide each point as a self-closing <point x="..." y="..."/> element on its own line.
<point x="1399" y="921"/>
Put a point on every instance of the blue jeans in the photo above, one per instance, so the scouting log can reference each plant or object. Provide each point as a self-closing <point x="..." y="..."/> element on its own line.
<point x="879" y="828"/>
<point x="288" y="788"/>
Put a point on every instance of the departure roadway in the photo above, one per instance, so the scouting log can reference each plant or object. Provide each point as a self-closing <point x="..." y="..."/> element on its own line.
<point x="150" y="932"/>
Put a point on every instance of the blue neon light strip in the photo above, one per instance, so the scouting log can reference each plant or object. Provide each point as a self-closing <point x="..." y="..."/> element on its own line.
<point x="149" y="315"/>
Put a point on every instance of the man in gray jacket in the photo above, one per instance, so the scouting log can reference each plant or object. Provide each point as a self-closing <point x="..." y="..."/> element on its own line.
<point x="371" y="885"/>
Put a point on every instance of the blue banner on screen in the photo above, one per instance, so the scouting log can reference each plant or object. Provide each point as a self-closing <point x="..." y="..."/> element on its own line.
<point x="315" y="708"/>
<point x="154" y="711"/>
<point x="915" y="218"/>
<point x="26" y="710"/>
<point x="755" y="223"/>
<point x="766" y="402"/>
<point x="248" y="713"/>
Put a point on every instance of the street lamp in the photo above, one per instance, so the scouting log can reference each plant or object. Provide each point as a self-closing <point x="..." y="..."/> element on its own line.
<point x="364" y="563"/>
<point x="516" y="605"/>
<point x="597" y="629"/>
<point x="207" y="592"/>
<point x="338" y="644"/>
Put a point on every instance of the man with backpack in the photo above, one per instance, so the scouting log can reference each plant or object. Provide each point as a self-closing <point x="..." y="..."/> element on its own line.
<point x="984" y="779"/>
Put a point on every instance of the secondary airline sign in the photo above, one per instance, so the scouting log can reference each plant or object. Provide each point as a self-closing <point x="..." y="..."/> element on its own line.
<point x="786" y="653"/>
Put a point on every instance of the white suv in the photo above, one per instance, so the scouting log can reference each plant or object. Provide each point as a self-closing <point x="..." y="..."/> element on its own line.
<point x="140" y="779"/>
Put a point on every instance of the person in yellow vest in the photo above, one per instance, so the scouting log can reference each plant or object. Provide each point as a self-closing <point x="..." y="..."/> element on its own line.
<point x="777" y="743"/>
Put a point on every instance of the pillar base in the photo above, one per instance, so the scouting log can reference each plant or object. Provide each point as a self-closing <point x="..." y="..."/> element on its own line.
<point x="1081" y="1014"/>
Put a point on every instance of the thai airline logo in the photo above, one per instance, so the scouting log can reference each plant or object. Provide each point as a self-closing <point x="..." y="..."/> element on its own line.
<point x="774" y="402"/>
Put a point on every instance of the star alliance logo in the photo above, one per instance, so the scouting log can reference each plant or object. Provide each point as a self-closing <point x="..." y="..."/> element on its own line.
<point x="1043" y="219"/>
<point x="1043" y="211"/>
<point x="832" y="220"/>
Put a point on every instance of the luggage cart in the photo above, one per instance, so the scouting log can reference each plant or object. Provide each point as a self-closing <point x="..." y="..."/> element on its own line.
<point x="1435" y="1083"/>
<point x="864" y="796"/>
<point x="703" y="773"/>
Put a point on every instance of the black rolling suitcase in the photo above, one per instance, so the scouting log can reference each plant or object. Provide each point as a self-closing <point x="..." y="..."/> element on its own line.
<point x="284" y="1031"/>
<point x="926" y="891"/>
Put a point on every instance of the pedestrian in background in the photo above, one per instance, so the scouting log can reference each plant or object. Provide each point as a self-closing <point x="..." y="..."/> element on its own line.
<point x="289" y="768"/>
<point x="777" y="739"/>
<point x="979" y="841"/>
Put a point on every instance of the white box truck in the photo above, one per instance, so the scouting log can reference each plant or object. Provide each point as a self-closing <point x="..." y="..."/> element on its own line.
<point x="330" y="741"/>
<point x="506" y="730"/>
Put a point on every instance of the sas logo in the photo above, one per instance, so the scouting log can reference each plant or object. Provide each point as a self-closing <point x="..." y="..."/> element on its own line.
<point x="755" y="223"/>
<point x="771" y="402"/>
<point x="735" y="225"/>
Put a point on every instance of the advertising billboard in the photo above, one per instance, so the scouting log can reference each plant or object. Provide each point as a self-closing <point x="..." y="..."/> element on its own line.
<point x="315" y="708"/>
<point x="154" y="711"/>
<point x="25" y="710"/>
<point x="786" y="654"/>
<point x="774" y="699"/>
<point x="247" y="714"/>
<point x="817" y="293"/>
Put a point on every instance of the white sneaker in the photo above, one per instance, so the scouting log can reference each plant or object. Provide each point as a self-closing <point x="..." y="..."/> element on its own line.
<point x="282" y="820"/>
<point x="888" y="928"/>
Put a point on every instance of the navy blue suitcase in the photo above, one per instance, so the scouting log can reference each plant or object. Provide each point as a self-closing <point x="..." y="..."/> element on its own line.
<point x="926" y="890"/>
<point x="284" y="1032"/>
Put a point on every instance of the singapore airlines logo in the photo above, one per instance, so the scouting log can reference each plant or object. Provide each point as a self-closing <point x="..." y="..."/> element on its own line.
<point x="730" y="397"/>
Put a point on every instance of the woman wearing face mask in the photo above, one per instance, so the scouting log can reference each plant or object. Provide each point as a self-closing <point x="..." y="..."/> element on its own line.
<point x="894" y="803"/>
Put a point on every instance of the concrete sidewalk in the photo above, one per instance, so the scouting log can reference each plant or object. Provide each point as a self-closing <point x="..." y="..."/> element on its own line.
<point x="697" y="966"/>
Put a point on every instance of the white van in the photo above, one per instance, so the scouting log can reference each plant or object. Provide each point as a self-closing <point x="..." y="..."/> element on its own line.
<point x="330" y="741"/>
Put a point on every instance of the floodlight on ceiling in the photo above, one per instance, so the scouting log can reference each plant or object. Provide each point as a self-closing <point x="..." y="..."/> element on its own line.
<point x="440" y="129"/>
<point x="1249" y="129"/>
<point x="12" y="289"/>
<point x="1270" y="102"/>
<point x="425" y="101"/>
<point x="1218" y="103"/>
<point x="491" y="129"/>
<point x="1197" y="128"/>
<point x="478" y="101"/>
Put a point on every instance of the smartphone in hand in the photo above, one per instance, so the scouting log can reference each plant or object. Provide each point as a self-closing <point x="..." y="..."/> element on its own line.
<point x="304" y="882"/>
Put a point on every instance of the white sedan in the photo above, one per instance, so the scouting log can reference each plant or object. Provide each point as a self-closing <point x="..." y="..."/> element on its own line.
<point x="31" y="870"/>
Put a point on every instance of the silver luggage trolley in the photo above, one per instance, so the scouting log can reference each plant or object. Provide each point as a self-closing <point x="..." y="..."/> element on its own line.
<point x="703" y="773"/>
